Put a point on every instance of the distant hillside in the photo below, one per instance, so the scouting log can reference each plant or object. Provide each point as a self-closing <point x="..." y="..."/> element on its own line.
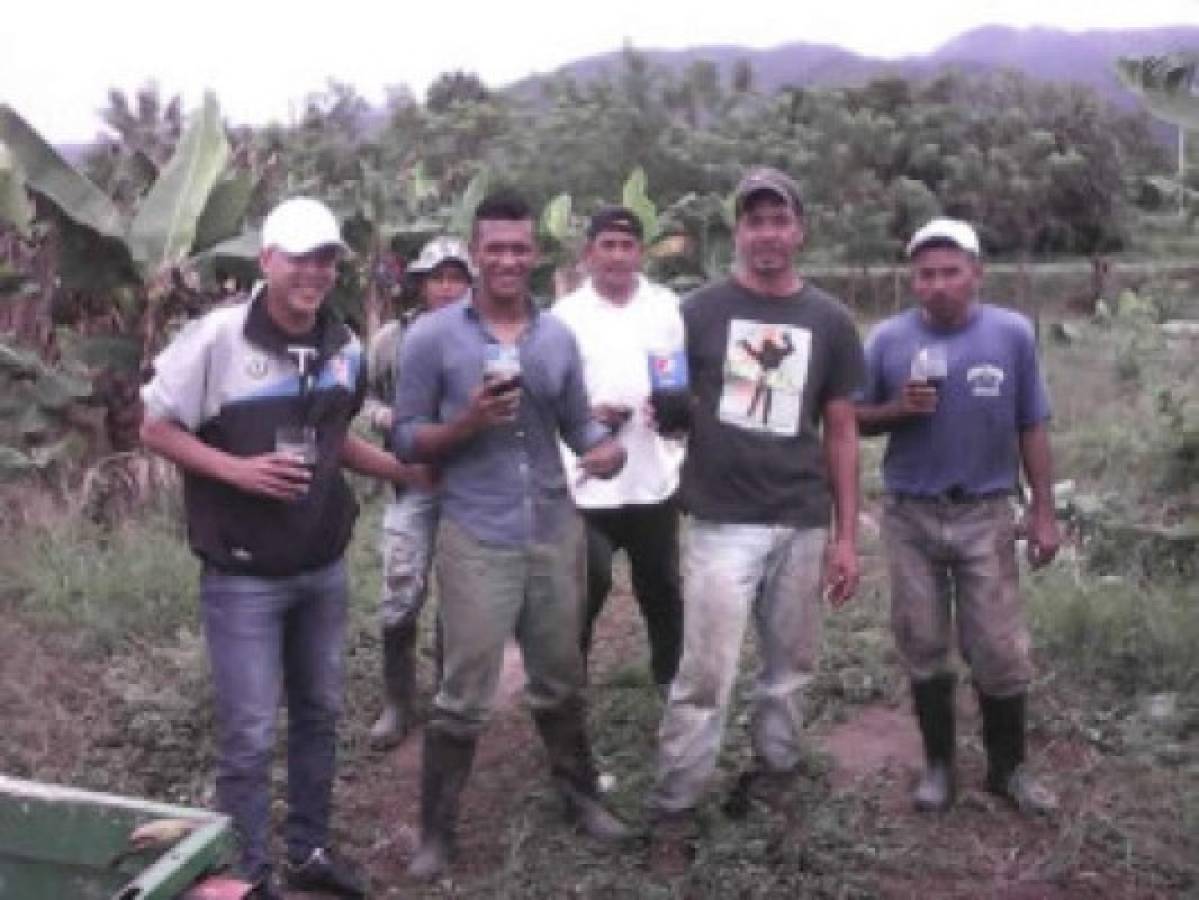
<point x="1045" y="53"/>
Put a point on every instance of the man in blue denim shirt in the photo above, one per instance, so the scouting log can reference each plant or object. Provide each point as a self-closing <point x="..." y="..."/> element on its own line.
<point x="489" y="386"/>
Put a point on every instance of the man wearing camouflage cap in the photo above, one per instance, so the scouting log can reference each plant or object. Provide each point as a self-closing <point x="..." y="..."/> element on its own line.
<point x="441" y="274"/>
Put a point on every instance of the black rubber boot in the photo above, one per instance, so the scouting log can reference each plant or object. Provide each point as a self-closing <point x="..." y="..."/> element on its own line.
<point x="444" y="770"/>
<point x="933" y="702"/>
<point x="564" y="732"/>
<point x="1004" y="739"/>
<point x="399" y="687"/>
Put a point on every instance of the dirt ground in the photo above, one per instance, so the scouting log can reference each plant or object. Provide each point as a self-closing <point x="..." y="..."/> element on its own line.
<point x="62" y="719"/>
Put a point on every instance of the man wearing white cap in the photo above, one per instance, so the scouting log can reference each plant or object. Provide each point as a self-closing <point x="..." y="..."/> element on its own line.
<point x="441" y="274"/>
<point x="253" y="402"/>
<point x="956" y="385"/>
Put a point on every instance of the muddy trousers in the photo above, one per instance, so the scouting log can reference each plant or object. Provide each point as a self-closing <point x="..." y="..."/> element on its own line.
<point x="488" y="594"/>
<point x="730" y="573"/>
<point x="267" y="639"/>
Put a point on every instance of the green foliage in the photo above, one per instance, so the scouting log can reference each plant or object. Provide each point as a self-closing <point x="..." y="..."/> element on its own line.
<point x="1166" y="84"/>
<point x="1135" y="635"/>
<point x="15" y="208"/>
<point x="132" y="582"/>
<point x="37" y="405"/>
<point x="164" y="227"/>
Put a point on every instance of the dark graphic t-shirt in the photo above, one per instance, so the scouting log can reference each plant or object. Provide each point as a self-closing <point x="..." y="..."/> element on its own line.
<point x="762" y="370"/>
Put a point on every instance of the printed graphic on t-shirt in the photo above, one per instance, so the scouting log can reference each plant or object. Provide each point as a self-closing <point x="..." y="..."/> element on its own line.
<point x="765" y="369"/>
<point x="985" y="380"/>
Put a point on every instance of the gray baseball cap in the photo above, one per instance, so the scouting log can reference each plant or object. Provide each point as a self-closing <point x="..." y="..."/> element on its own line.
<point x="765" y="179"/>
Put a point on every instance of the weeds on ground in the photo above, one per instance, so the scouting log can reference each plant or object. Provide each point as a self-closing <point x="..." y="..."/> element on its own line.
<point x="135" y="581"/>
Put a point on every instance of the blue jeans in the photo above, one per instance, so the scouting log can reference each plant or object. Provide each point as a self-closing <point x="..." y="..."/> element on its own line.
<point x="270" y="637"/>
<point x="731" y="573"/>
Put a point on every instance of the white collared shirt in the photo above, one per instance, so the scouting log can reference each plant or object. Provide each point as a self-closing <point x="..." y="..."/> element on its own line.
<point x="615" y="341"/>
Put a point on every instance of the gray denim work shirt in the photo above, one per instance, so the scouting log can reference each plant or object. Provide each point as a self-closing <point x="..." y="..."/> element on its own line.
<point x="506" y="485"/>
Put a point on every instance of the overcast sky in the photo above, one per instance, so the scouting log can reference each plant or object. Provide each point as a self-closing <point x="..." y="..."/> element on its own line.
<point x="262" y="58"/>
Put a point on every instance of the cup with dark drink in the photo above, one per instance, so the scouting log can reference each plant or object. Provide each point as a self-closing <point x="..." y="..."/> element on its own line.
<point x="930" y="366"/>
<point x="501" y="368"/>
<point x="670" y="390"/>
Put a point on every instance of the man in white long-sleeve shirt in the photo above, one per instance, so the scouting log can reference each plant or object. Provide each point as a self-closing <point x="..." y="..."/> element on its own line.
<point x="619" y="317"/>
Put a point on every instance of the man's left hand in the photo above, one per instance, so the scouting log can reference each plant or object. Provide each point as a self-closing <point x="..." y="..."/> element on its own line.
<point x="1044" y="536"/>
<point x="603" y="460"/>
<point x="841" y="573"/>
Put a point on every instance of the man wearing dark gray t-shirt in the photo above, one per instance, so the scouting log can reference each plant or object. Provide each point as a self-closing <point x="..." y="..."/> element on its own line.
<point x="771" y="458"/>
<point x="956" y="386"/>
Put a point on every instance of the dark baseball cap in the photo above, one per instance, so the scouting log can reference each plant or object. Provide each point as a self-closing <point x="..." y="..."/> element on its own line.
<point x="615" y="218"/>
<point x="763" y="179"/>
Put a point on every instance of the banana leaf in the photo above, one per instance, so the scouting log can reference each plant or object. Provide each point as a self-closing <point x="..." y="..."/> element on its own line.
<point x="224" y="212"/>
<point x="1167" y="84"/>
<point x="48" y="174"/>
<point x="58" y="390"/>
<point x="15" y="208"/>
<point x="555" y="218"/>
<point x="164" y="227"/>
<point x="634" y="196"/>
<point x="14" y="463"/>
<point x="464" y="213"/>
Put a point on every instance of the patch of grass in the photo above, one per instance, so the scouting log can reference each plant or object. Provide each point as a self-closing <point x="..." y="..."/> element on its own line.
<point x="1136" y="635"/>
<point x="136" y="580"/>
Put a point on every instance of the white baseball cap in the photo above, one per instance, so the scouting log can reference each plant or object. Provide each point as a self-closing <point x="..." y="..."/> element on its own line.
<point x="950" y="231"/>
<point x="301" y="225"/>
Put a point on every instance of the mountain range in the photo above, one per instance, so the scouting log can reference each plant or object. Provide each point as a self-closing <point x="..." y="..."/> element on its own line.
<point x="1048" y="54"/>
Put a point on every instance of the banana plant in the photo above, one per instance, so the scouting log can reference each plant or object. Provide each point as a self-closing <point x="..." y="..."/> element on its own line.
<point x="133" y="266"/>
<point x="1169" y="86"/>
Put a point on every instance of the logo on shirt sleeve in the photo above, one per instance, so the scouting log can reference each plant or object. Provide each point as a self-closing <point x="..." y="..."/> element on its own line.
<point x="985" y="380"/>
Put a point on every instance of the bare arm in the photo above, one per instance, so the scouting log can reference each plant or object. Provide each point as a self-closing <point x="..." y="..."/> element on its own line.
<point x="1044" y="537"/>
<point x="365" y="458"/>
<point x="275" y="475"/>
<point x="841" y="458"/>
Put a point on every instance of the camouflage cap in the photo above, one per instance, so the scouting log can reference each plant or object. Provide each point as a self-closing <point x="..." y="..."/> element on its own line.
<point x="442" y="250"/>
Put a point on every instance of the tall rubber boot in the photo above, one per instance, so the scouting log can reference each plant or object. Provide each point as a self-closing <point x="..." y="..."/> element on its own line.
<point x="399" y="687"/>
<point x="444" y="770"/>
<point x="1004" y="739"/>
<point x="564" y="732"/>
<point x="932" y="699"/>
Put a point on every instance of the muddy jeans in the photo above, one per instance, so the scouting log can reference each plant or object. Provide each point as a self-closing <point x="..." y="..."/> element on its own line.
<point x="951" y="560"/>
<point x="489" y="593"/>
<point x="267" y="638"/>
<point x="729" y="571"/>
<point x="406" y="545"/>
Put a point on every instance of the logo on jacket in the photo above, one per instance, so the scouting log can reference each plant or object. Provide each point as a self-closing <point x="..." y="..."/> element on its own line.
<point x="339" y="371"/>
<point x="985" y="380"/>
<point x="256" y="367"/>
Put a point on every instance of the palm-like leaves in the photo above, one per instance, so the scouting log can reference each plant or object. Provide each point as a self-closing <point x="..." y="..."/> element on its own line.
<point x="1169" y="85"/>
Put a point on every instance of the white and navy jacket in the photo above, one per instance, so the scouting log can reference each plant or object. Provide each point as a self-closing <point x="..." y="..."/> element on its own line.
<point x="232" y="377"/>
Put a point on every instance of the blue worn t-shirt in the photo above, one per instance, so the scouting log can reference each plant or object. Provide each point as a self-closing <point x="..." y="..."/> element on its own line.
<point x="993" y="390"/>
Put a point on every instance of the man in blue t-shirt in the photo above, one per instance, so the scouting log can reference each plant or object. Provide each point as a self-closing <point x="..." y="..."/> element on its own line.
<point x="956" y="385"/>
